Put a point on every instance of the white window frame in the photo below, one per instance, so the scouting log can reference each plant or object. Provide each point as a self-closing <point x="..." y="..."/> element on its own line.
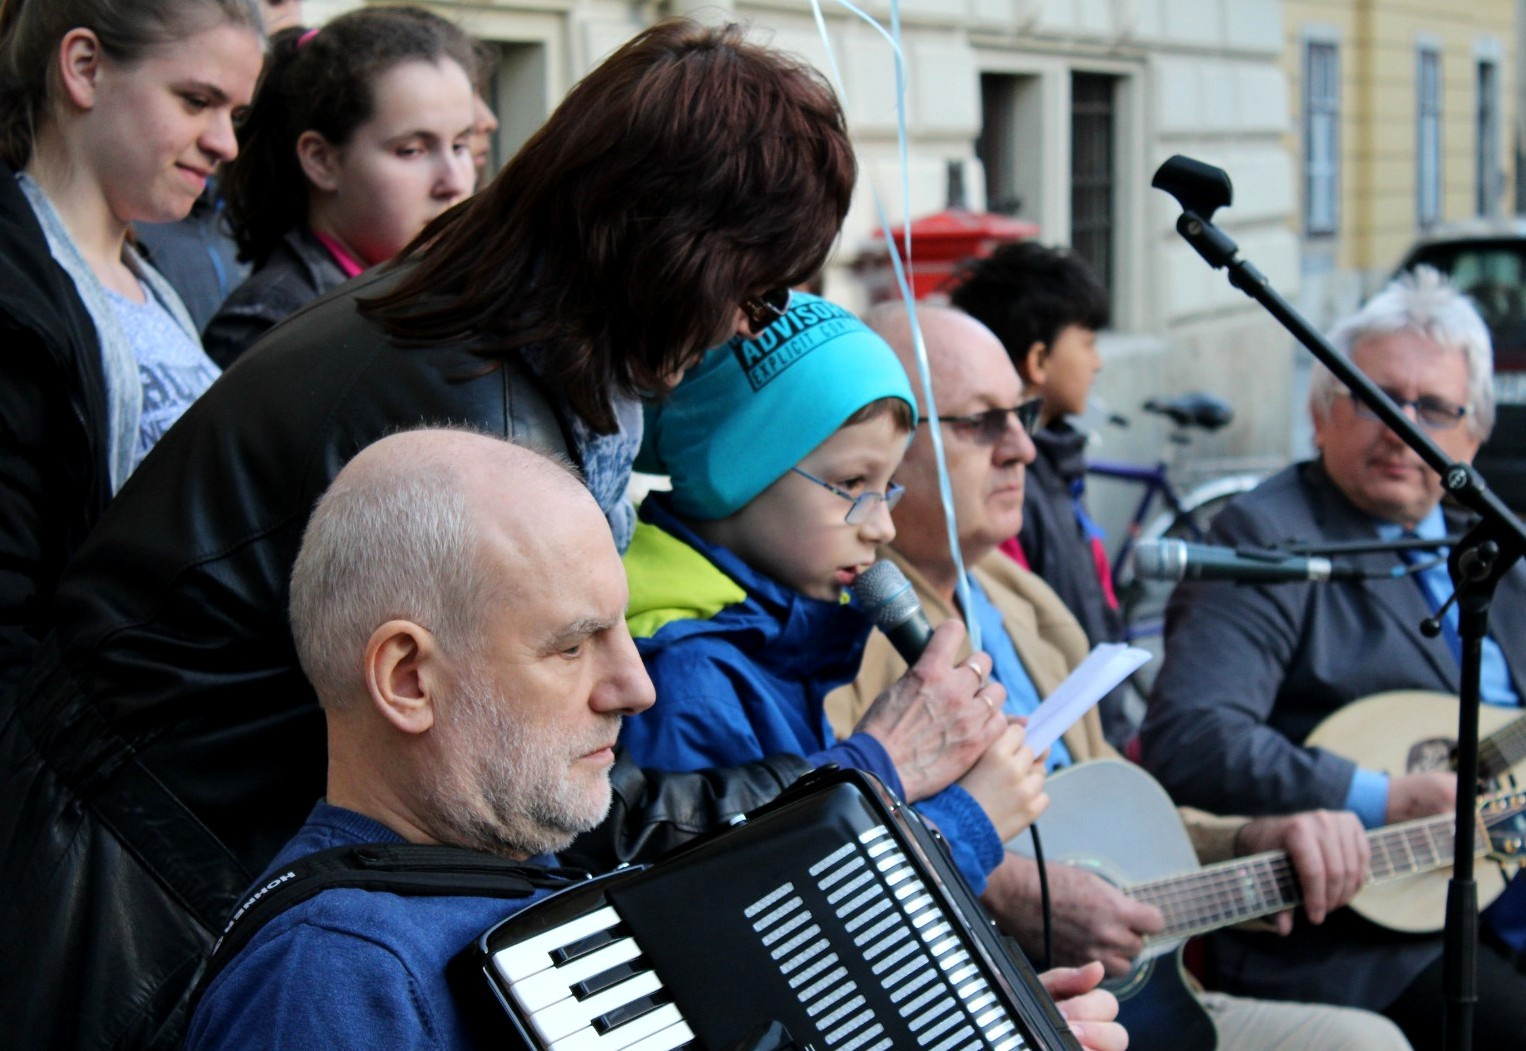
<point x="1430" y="165"/>
<point x="1321" y="136"/>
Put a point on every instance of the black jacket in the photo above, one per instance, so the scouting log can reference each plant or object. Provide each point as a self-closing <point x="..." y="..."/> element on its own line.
<point x="298" y="271"/>
<point x="1251" y="669"/>
<point x="170" y="744"/>
<point x="54" y="478"/>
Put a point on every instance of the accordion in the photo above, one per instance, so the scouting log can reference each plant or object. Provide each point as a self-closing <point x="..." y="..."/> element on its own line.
<point x="831" y="918"/>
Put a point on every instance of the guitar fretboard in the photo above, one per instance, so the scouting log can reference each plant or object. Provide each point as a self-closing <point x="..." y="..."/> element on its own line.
<point x="1260" y="884"/>
<point x="1502" y="749"/>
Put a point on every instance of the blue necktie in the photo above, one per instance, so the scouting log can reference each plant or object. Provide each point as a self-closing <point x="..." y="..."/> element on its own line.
<point x="1435" y="584"/>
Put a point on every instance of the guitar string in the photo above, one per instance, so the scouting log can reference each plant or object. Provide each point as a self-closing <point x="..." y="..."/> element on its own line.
<point x="1496" y="749"/>
<point x="1274" y="889"/>
<point x="1397" y="850"/>
<point x="1252" y="886"/>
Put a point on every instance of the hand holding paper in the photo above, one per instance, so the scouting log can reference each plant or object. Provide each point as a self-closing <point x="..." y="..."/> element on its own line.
<point x="1104" y="668"/>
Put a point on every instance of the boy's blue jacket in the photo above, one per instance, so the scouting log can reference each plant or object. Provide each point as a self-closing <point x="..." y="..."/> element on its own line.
<point x="742" y="666"/>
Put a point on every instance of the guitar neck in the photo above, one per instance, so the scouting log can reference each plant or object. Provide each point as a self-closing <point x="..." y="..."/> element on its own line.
<point x="1501" y="750"/>
<point x="1231" y="892"/>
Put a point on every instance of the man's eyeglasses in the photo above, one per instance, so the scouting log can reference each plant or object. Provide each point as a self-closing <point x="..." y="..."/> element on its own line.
<point x="1434" y="414"/>
<point x="863" y="503"/>
<point x="767" y="307"/>
<point x="987" y="428"/>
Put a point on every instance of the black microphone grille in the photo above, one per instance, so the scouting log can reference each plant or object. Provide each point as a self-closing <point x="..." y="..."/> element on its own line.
<point x="885" y="594"/>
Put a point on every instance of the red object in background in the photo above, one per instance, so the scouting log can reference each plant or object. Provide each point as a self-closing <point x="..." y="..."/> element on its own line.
<point x="939" y="242"/>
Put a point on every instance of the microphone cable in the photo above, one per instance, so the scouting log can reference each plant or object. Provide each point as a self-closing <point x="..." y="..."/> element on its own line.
<point x="1038" y="859"/>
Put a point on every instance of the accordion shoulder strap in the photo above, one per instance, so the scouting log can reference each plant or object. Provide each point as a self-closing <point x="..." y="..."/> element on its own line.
<point x="414" y="869"/>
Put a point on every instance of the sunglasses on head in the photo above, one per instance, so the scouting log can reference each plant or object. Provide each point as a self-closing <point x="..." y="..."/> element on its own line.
<point x="987" y="428"/>
<point x="767" y="307"/>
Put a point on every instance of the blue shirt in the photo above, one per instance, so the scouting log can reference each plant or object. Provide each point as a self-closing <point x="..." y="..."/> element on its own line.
<point x="1368" y="795"/>
<point x="1007" y="667"/>
<point x="348" y="968"/>
<point x="172" y="367"/>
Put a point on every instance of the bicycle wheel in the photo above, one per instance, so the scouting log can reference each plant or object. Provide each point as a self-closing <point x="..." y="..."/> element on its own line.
<point x="1145" y="607"/>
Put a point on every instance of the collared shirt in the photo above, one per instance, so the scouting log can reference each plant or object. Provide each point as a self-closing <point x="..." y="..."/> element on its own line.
<point x="1007" y="668"/>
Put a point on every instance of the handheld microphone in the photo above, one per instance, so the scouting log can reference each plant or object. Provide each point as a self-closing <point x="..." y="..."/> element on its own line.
<point x="1179" y="560"/>
<point x="886" y="596"/>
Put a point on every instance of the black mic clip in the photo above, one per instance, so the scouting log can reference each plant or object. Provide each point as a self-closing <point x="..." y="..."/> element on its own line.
<point x="1474" y="563"/>
<point x="1430" y="627"/>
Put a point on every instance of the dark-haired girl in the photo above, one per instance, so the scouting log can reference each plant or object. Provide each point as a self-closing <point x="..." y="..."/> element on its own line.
<point x="358" y="137"/>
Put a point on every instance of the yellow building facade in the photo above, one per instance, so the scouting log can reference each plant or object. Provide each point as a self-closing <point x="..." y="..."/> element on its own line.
<point x="1402" y="118"/>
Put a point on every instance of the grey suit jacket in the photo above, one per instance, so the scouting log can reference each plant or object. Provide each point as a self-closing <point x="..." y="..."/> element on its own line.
<point x="1250" y="670"/>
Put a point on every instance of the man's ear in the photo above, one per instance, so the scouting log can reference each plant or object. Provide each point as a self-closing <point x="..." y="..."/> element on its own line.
<point x="79" y="66"/>
<point x="404" y="674"/>
<point x="319" y="159"/>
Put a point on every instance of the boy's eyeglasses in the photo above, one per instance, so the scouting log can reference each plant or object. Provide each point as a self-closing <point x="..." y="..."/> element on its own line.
<point x="987" y="428"/>
<point x="863" y="503"/>
<point x="1434" y="414"/>
<point x="767" y="307"/>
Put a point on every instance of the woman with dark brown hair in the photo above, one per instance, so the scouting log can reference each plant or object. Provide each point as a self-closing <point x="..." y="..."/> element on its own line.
<point x="674" y="193"/>
<point x="169" y="743"/>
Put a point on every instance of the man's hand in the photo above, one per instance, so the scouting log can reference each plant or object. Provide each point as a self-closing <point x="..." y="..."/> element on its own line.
<point x="1329" y="852"/>
<point x="939" y="717"/>
<point x="1092" y="919"/>
<point x="1089" y="1010"/>
<point x="1008" y="783"/>
<point x="1421" y="795"/>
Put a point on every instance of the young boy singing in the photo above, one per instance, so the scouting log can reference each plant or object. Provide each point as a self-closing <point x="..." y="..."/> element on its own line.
<point x="781" y="448"/>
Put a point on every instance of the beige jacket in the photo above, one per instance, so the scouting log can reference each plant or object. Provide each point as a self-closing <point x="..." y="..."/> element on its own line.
<point x="1050" y="643"/>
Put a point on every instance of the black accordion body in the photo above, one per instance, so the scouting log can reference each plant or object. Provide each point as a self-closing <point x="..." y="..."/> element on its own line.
<point x="832" y="914"/>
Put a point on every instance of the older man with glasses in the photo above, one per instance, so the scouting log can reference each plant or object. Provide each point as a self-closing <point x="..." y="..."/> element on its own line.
<point x="1033" y="642"/>
<point x="1251" y="670"/>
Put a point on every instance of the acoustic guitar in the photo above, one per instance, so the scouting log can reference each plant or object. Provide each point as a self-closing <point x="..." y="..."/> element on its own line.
<point x="1409" y="731"/>
<point x="1114" y="820"/>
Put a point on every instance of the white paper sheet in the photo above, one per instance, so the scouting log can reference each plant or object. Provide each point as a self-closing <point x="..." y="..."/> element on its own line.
<point x="1105" y="667"/>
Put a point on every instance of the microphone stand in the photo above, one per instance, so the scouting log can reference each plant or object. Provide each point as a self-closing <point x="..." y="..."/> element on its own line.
<point x="1477" y="564"/>
<point x="1365" y="547"/>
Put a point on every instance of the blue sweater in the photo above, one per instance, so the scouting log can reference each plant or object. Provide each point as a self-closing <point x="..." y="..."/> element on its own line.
<point x="348" y="968"/>
<point x="742" y="666"/>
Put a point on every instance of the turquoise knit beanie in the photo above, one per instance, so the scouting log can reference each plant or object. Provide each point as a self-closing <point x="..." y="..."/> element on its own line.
<point x="754" y="408"/>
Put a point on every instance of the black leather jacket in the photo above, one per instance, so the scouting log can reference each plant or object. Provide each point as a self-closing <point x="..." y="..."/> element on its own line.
<point x="54" y="479"/>
<point x="169" y="744"/>
<point x="298" y="271"/>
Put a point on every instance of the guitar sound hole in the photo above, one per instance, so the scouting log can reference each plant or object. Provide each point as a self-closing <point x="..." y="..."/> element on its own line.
<point x="1431" y="753"/>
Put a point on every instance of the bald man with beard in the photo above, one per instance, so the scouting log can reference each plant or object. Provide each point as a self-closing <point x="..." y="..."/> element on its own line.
<point x="473" y="666"/>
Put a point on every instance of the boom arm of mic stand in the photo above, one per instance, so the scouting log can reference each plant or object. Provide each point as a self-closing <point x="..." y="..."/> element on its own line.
<point x="1201" y="189"/>
<point x="1476" y="569"/>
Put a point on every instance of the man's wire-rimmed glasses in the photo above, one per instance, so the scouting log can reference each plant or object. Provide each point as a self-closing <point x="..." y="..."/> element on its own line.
<point x="1434" y="414"/>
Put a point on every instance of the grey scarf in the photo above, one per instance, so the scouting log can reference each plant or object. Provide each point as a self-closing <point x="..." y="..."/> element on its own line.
<point x="124" y="389"/>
